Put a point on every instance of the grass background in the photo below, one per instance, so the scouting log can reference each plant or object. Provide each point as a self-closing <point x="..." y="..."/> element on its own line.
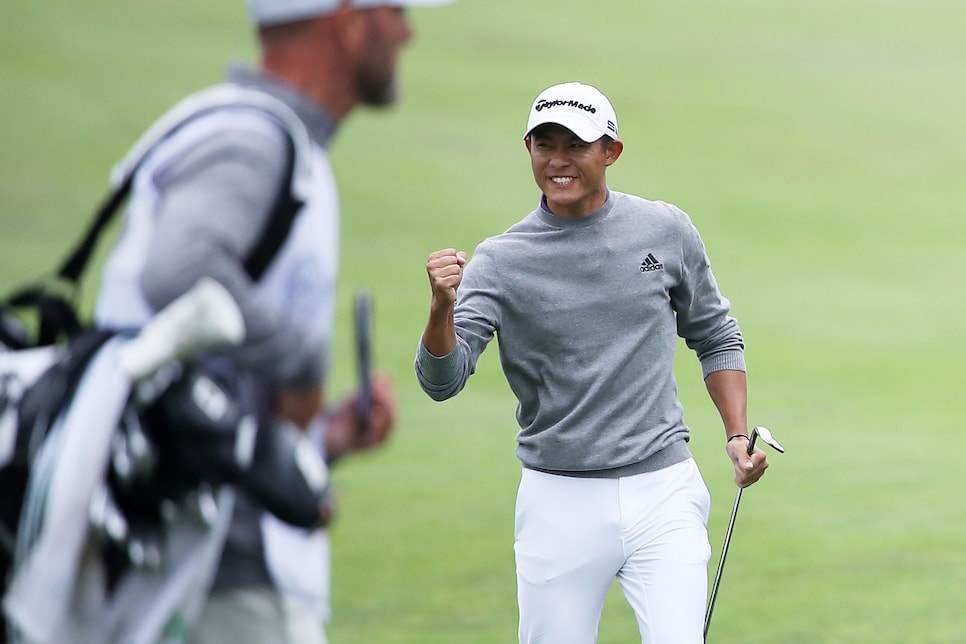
<point x="819" y="148"/>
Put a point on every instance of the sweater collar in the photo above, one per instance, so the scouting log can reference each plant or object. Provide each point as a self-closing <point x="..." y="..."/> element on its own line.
<point x="543" y="212"/>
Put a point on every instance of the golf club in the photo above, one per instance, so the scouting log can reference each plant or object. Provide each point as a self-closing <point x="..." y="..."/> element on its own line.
<point x="765" y="435"/>
<point x="363" y="332"/>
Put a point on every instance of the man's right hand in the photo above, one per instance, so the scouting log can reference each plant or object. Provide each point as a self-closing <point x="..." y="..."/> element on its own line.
<point x="445" y="271"/>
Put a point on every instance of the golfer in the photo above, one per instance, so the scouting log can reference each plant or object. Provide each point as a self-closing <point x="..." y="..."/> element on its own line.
<point x="588" y="294"/>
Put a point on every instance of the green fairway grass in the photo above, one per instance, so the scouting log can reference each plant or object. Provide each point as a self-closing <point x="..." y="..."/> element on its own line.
<point x="819" y="148"/>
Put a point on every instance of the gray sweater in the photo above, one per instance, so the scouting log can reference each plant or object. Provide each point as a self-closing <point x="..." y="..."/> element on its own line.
<point x="587" y="312"/>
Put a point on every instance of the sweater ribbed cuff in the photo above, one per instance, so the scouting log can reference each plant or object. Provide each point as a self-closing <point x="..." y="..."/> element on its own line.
<point x="725" y="361"/>
<point x="436" y="368"/>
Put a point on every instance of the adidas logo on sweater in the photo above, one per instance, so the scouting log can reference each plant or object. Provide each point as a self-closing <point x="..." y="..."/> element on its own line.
<point x="650" y="263"/>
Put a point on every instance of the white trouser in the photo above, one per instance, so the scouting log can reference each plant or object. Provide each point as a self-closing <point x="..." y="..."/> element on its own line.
<point x="574" y="535"/>
<point x="257" y="616"/>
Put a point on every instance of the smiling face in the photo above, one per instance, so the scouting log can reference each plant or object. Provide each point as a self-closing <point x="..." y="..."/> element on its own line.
<point x="570" y="171"/>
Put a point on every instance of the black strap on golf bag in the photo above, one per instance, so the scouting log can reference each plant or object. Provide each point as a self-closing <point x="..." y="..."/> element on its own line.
<point x="53" y="302"/>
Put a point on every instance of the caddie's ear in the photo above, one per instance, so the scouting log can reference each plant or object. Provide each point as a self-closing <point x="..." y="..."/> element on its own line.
<point x="351" y="28"/>
<point x="614" y="151"/>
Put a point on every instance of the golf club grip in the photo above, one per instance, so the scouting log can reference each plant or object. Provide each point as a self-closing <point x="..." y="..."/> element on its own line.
<point x="751" y="441"/>
<point x="363" y="328"/>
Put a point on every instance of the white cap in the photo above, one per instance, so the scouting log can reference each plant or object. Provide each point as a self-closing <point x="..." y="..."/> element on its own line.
<point x="580" y="108"/>
<point x="276" y="12"/>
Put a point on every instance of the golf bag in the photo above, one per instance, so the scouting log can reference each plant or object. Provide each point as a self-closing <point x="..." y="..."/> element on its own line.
<point x="118" y="485"/>
<point x="119" y="481"/>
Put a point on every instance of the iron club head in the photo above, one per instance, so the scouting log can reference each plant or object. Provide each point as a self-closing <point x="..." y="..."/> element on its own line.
<point x="765" y="435"/>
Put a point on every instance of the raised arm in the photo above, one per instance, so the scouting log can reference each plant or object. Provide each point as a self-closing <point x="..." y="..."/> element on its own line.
<point x="445" y="271"/>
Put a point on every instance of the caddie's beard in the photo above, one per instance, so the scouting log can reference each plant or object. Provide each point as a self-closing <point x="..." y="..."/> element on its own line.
<point x="376" y="90"/>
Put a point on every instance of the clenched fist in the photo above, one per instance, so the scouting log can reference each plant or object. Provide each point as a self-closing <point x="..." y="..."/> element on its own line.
<point x="445" y="271"/>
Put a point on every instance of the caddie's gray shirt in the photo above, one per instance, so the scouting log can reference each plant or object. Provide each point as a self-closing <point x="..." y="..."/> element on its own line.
<point x="588" y="311"/>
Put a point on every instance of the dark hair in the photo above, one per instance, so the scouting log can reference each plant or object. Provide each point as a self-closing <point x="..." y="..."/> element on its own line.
<point x="605" y="140"/>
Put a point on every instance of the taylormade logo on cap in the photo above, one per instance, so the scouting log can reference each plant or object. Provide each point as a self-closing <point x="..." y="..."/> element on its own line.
<point x="580" y="108"/>
<point x="544" y="104"/>
<point x="277" y="12"/>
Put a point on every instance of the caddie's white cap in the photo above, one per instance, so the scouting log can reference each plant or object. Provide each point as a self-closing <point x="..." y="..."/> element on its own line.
<point x="276" y="12"/>
<point x="580" y="108"/>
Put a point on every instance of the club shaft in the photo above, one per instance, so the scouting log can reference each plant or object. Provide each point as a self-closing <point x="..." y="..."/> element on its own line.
<point x="721" y="562"/>
<point x="727" y="543"/>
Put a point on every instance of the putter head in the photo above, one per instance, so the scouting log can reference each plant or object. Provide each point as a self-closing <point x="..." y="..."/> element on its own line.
<point x="765" y="435"/>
